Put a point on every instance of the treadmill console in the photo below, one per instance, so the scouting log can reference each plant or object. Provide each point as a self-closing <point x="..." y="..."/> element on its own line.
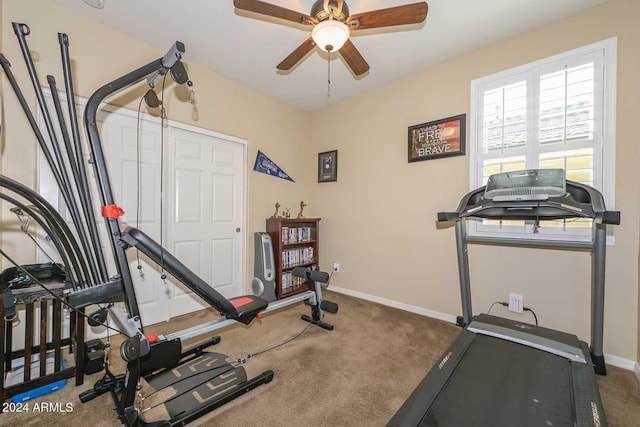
<point x="535" y="184"/>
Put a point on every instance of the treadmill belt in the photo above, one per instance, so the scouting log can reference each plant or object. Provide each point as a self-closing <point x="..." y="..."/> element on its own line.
<point x="501" y="383"/>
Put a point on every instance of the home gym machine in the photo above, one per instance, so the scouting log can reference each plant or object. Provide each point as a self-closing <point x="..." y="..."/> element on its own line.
<point x="199" y="381"/>
<point x="501" y="372"/>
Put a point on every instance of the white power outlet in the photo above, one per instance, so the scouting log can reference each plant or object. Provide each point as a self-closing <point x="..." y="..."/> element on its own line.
<point x="516" y="303"/>
<point x="336" y="267"/>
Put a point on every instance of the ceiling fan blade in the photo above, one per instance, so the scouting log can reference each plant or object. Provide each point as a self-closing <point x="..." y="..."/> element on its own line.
<point x="354" y="60"/>
<point x="400" y="15"/>
<point x="273" y="10"/>
<point x="301" y="51"/>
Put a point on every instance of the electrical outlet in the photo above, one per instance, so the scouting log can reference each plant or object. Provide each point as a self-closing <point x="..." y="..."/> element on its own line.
<point x="516" y="303"/>
<point x="336" y="267"/>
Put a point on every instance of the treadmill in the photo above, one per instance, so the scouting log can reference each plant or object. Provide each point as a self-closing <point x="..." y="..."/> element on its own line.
<point x="502" y="372"/>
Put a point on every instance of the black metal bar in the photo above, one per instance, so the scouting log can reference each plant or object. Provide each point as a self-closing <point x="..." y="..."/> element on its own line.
<point x="104" y="293"/>
<point x="6" y="67"/>
<point x="43" y="338"/>
<point x="21" y="31"/>
<point x="598" y="263"/>
<point x="57" y="105"/>
<point x="85" y="194"/>
<point x="82" y="232"/>
<point x="463" y="271"/>
<point x="8" y="345"/>
<point x="99" y="161"/>
<point x="28" y="341"/>
<point x="77" y="341"/>
<point x="57" y="334"/>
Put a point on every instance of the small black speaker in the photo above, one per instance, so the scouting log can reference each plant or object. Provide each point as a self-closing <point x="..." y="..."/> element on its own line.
<point x="93" y="356"/>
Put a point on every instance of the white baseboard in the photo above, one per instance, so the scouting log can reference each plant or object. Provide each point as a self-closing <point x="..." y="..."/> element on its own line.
<point x="619" y="362"/>
<point x="612" y="360"/>
<point x="395" y="304"/>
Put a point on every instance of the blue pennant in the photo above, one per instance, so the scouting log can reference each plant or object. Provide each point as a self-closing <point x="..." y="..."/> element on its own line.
<point x="265" y="165"/>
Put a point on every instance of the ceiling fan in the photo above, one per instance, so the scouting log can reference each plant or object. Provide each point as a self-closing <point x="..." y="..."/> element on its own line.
<point x="332" y="25"/>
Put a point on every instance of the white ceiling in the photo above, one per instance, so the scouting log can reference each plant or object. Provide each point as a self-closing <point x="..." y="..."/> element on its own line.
<point x="246" y="47"/>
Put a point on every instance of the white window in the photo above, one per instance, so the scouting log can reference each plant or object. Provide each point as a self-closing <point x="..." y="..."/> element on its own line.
<point x="555" y="113"/>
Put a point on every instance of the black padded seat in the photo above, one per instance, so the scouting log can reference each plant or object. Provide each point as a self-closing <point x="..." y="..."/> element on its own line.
<point x="247" y="307"/>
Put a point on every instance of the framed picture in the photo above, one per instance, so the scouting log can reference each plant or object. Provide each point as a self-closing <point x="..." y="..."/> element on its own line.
<point x="437" y="139"/>
<point x="328" y="166"/>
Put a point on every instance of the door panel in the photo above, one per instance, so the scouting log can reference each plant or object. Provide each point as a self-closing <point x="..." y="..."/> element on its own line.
<point x="224" y="189"/>
<point x="189" y="193"/>
<point x="223" y="251"/>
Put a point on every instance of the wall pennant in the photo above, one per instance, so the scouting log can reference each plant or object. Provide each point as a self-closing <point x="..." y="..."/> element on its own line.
<point x="265" y="165"/>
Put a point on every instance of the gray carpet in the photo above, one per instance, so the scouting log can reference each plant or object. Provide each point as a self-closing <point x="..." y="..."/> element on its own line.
<point x="356" y="375"/>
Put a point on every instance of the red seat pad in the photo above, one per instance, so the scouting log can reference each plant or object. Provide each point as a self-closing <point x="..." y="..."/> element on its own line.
<point x="240" y="301"/>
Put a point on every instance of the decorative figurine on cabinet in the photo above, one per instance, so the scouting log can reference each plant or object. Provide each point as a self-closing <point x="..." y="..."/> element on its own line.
<point x="275" y="215"/>
<point x="302" y="205"/>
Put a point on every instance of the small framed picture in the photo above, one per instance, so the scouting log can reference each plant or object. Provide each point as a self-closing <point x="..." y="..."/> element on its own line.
<point x="328" y="166"/>
<point x="437" y="139"/>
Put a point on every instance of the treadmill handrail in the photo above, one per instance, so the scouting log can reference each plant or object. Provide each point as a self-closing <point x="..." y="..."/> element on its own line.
<point x="581" y="201"/>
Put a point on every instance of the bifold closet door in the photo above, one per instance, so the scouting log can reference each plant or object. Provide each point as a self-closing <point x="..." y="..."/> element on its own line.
<point x="203" y="199"/>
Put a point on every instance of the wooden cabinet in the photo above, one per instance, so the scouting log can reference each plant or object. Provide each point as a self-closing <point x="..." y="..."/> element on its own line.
<point x="295" y="244"/>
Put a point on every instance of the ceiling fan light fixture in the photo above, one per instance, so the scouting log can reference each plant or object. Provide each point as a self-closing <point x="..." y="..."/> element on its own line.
<point x="330" y="35"/>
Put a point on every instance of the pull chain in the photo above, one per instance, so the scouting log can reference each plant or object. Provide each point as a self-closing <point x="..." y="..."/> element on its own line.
<point x="328" y="75"/>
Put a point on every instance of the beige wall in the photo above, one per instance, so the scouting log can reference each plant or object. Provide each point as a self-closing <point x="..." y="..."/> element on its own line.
<point x="379" y="219"/>
<point x="100" y="55"/>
